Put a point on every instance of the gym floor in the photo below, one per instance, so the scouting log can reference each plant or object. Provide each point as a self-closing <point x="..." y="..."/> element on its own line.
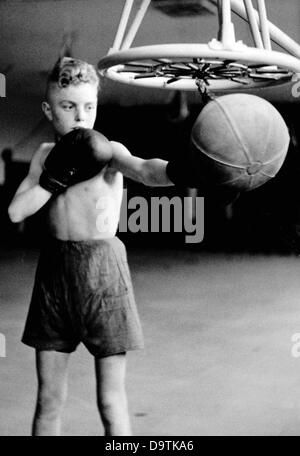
<point x="219" y="351"/>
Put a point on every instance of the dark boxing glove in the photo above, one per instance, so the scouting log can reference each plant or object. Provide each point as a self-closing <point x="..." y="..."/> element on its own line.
<point x="78" y="156"/>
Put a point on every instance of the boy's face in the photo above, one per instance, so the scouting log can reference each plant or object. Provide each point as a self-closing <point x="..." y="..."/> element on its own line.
<point x="71" y="107"/>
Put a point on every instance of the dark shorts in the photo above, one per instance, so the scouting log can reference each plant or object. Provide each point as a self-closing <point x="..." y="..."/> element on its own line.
<point x="83" y="293"/>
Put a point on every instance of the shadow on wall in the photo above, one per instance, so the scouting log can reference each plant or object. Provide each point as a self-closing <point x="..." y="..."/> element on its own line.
<point x="264" y="220"/>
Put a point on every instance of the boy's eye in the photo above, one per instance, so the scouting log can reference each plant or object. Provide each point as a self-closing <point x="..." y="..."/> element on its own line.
<point x="67" y="107"/>
<point x="90" y="107"/>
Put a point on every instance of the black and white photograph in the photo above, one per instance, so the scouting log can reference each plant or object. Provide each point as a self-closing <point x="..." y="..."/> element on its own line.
<point x="149" y="221"/>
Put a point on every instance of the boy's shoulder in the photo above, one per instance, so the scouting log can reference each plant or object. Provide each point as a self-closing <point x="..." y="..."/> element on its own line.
<point x="111" y="172"/>
<point x="116" y="145"/>
<point x="45" y="147"/>
<point x="42" y="151"/>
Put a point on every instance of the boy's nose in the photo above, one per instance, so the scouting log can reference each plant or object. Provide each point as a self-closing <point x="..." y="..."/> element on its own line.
<point x="80" y="115"/>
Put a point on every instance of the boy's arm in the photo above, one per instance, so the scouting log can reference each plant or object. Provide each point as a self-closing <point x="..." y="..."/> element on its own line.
<point x="29" y="197"/>
<point x="149" y="172"/>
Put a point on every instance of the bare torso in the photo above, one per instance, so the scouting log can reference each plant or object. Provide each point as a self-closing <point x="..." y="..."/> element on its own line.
<point x="88" y="210"/>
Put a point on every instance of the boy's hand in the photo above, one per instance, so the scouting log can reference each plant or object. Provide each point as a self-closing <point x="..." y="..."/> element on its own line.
<point x="78" y="156"/>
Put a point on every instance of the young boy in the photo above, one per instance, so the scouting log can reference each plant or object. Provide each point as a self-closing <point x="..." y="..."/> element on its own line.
<point x="82" y="290"/>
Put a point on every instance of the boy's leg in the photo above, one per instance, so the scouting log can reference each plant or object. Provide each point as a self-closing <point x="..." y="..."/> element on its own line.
<point x="52" y="391"/>
<point x="111" y="394"/>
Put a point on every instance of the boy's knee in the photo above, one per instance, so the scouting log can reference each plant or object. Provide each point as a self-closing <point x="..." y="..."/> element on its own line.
<point x="112" y="404"/>
<point x="50" y="401"/>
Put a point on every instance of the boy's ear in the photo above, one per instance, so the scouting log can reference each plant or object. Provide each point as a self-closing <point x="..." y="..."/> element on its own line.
<point x="47" y="110"/>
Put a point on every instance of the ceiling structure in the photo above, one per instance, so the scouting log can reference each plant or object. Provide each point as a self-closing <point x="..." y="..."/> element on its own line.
<point x="34" y="33"/>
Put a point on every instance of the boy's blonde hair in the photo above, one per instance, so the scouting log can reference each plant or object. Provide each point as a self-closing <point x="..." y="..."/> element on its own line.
<point x="69" y="71"/>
